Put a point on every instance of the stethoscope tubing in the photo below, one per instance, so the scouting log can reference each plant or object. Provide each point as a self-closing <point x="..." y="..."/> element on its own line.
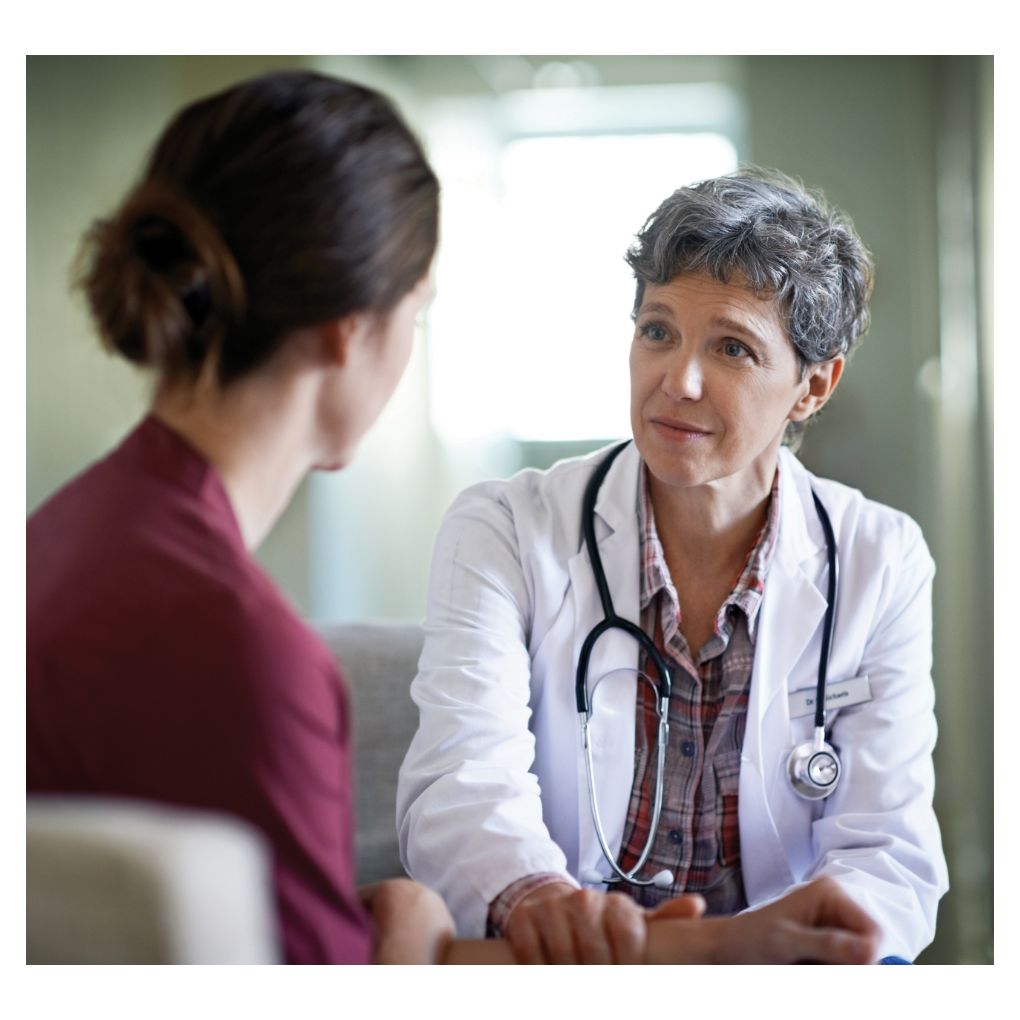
<point x="830" y="611"/>
<point x="661" y="745"/>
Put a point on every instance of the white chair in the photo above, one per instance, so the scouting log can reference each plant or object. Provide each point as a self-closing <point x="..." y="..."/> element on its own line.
<point x="111" y="881"/>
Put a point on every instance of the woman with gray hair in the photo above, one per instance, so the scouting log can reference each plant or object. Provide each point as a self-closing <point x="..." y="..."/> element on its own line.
<point x="684" y="664"/>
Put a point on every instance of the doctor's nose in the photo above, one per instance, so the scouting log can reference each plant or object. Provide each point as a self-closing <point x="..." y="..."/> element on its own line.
<point x="683" y="379"/>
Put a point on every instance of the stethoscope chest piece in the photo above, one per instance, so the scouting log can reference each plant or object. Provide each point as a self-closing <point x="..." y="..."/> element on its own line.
<point x="814" y="768"/>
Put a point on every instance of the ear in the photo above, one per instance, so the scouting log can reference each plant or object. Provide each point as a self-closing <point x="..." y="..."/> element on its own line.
<point x="337" y="339"/>
<point x="818" y="384"/>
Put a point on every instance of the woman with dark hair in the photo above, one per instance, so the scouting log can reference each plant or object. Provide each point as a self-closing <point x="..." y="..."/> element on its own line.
<point x="268" y="268"/>
<point x="685" y="664"/>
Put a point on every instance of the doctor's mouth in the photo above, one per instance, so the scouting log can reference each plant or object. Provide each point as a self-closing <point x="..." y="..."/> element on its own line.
<point x="678" y="431"/>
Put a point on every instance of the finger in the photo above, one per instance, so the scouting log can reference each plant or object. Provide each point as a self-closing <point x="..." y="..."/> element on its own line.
<point x="556" y="935"/>
<point x="837" y="910"/>
<point x="826" y="945"/>
<point x="687" y="906"/>
<point x="587" y="915"/>
<point x="627" y="929"/>
<point x="525" y="940"/>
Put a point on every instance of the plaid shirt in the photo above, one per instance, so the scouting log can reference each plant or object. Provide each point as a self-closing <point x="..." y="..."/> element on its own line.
<point x="698" y="837"/>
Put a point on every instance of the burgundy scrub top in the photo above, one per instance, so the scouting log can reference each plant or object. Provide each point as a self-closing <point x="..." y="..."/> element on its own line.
<point x="164" y="664"/>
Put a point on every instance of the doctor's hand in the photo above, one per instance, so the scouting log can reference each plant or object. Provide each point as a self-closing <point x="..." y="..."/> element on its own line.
<point x="558" y="923"/>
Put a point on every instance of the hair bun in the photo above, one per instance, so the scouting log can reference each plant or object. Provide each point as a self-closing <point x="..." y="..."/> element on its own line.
<point x="161" y="282"/>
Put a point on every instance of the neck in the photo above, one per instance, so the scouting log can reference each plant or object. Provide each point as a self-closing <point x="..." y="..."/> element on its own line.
<point x="709" y="529"/>
<point x="257" y="433"/>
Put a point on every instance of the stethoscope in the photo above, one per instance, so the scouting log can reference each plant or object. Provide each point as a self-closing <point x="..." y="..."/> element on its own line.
<point x="813" y="766"/>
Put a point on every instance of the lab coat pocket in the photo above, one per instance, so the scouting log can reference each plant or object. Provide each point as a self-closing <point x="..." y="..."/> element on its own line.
<point x="727" y="782"/>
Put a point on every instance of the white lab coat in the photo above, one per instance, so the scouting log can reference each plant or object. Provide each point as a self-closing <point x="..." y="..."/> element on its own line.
<point x="493" y="787"/>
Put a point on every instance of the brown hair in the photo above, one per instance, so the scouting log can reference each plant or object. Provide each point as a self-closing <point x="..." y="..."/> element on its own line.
<point x="285" y="201"/>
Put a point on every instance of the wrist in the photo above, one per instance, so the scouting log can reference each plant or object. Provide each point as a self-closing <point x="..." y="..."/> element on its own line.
<point x="545" y="892"/>
<point x="693" y="941"/>
<point x="549" y="891"/>
<point x="513" y="895"/>
<point x="476" y="951"/>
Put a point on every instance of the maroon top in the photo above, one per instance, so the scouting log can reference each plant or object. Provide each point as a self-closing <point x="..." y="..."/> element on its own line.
<point x="164" y="664"/>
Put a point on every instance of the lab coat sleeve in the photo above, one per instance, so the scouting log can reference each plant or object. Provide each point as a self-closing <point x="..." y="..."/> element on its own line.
<point x="469" y="814"/>
<point x="877" y="834"/>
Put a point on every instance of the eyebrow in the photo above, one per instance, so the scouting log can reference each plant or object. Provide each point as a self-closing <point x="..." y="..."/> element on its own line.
<point x="738" y="327"/>
<point x="655" y="306"/>
<point x="722" y="321"/>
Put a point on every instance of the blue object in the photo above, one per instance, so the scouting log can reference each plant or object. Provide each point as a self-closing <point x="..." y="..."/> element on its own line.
<point x="895" y="959"/>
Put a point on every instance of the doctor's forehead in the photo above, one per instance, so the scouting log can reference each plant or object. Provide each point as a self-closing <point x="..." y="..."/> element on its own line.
<point x="729" y="305"/>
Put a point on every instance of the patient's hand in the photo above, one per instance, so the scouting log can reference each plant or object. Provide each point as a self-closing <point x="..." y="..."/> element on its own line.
<point x="412" y="924"/>
<point x="816" y="923"/>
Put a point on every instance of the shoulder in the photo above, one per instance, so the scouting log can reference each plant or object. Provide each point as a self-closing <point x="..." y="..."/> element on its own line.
<point x="863" y="527"/>
<point x="509" y="542"/>
<point x="170" y="592"/>
<point x="537" y="501"/>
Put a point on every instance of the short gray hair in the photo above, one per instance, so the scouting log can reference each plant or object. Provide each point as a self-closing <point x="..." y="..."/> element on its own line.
<point x="786" y="241"/>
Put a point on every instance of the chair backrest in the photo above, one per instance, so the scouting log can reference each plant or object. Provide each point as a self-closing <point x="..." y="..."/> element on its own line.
<point x="111" y="881"/>
<point x="378" y="662"/>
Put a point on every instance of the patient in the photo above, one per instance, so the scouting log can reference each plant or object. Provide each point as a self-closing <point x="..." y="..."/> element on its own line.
<point x="268" y="269"/>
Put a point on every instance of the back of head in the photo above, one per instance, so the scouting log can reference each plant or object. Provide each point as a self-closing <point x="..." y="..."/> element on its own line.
<point x="285" y="201"/>
<point x="780" y="238"/>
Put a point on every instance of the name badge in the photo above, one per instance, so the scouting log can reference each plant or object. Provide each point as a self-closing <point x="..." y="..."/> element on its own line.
<point x="837" y="695"/>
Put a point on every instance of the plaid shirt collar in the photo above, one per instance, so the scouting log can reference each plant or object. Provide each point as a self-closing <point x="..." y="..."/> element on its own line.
<point x="747" y="592"/>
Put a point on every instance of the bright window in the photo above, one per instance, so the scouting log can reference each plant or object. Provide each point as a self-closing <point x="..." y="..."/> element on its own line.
<point x="530" y="330"/>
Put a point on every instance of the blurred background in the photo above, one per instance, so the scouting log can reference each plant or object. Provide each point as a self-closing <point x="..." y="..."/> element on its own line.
<point x="549" y="165"/>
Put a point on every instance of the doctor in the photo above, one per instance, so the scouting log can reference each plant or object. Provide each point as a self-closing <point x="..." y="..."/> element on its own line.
<point x="757" y="712"/>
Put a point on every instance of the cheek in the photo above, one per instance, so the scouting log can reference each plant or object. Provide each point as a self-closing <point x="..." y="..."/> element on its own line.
<point x="398" y="354"/>
<point x="638" y="379"/>
<point x="636" y="398"/>
<point x="405" y="355"/>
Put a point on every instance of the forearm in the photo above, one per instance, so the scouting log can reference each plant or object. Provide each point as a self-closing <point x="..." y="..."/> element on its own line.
<point x="669" y="942"/>
<point x="471" y="951"/>
<point x="693" y="941"/>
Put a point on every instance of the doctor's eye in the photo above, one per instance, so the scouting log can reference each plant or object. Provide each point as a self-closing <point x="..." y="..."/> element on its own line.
<point x="735" y="350"/>
<point x="653" y="331"/>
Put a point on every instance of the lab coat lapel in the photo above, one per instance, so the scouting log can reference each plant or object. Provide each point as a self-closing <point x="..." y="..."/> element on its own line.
<point x="612" y="724"/>
<point x="792" y="609"/>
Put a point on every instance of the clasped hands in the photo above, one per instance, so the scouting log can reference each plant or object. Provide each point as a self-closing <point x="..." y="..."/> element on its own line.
<point x="815" y="923"/>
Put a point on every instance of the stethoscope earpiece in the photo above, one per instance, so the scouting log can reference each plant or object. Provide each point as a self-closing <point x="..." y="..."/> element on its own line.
<point x="661" y="879"/>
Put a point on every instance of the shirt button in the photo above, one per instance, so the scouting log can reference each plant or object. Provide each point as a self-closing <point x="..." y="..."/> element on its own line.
<point x="688" y="748"/>
<point x="675" y="836"/>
